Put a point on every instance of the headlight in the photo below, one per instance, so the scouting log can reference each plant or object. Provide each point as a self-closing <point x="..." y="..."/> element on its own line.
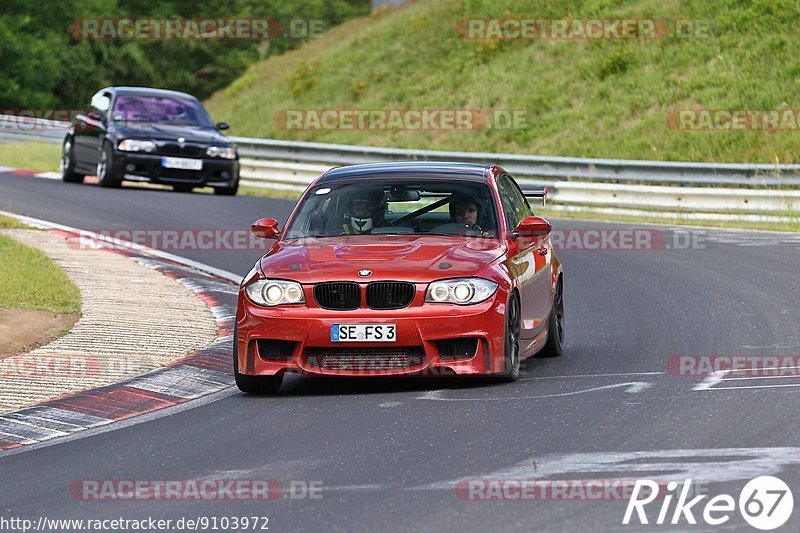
<point x="132" y="145"/>
<point x="462" y="291"/>
<point x="272" y="292"/>
<point x="226" y="152"/>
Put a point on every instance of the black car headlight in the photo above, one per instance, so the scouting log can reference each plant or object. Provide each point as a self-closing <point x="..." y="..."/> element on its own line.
<point x="133" y="145"/>
<point x="224" y="152"/>
<point x="272" y="292"/>
<point x="461" y="291"/>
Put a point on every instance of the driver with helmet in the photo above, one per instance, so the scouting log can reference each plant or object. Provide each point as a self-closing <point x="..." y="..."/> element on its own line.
<point x="365" y="211"/>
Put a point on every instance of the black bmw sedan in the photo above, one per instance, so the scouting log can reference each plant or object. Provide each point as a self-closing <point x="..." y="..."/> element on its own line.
<point x="153" y="135"/>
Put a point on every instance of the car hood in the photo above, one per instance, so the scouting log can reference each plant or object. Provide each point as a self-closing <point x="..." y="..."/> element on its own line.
<point x="171" y="132"/>
<point x="415" y="258"/>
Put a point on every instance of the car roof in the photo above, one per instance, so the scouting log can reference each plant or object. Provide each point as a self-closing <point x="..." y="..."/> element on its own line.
<point x="429" y="170"/>
<point x="148" y="91"/>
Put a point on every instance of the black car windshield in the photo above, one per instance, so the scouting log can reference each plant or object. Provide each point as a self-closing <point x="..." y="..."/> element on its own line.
<point x="142" y="108"/>
<point x="396" y="207"/>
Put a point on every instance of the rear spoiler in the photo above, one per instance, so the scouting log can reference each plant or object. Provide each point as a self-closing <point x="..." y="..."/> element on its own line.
<point x="536" y="192"/>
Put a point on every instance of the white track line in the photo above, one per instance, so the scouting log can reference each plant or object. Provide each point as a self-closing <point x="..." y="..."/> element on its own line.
<point x="598" y="375"/>
<point x="753" y="387"/>
<point x="762" y="377"/>
<point x="224" y="274"/>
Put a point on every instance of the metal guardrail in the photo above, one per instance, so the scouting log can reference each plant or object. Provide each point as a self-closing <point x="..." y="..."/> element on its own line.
<point x="562" y="168"/>
<point x="297" y="176"/>
<point x="657" y="186"/>
<point x="32" y="129"/>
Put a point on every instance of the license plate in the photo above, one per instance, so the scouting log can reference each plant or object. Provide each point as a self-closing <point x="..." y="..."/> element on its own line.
<point x="363" y="333"/>
<point x="183" y="163"/>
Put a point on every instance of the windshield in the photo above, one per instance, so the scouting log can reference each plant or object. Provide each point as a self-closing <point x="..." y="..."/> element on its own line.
<point x="138" y="108"/>
<point x="412" y="207"/>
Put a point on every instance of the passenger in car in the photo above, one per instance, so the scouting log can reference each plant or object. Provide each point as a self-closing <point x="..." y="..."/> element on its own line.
<point x="464" y="209"/>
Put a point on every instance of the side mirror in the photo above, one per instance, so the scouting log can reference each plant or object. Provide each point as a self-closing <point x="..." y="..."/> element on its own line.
<point x="533" y="227"/>
<point x="265" y="228"/>
<point x="223" y="126"/>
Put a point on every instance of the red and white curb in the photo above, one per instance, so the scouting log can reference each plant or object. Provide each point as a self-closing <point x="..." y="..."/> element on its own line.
<point x="43" y="175"/>
<point x="200" y="374"/>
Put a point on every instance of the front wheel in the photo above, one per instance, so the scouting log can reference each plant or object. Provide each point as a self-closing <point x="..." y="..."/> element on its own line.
<point x="511" y="342"/>
<point x="227" y="191"/>
<point x="106" y="175"/>
<point x="555" y="329"/>
<point x="253" y="384"/>
<point x="68" y="164"/>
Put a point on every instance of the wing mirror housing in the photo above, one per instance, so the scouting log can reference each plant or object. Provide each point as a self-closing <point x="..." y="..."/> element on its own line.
<point x="222" y="126"/>
<point x="533" y="227"/>
<point x="265" y="228"/>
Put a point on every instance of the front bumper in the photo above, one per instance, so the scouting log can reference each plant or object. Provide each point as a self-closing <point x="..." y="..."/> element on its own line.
<point x="147" y="167"/>
<point x="422" y="334"/>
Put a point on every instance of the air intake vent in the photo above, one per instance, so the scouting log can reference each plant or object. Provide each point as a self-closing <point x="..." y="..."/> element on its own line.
<point x="338" y="295"/>
<point x="457" y="348"/>
<point x="390" y="294"/>
<point x="275" y="350"/>
<point x="365" y="359"/>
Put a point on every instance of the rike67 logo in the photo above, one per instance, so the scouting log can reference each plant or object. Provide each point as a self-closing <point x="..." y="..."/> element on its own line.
<point x="765" y="503"/>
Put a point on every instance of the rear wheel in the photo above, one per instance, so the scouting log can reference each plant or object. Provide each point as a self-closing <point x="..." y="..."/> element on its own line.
<point x="68" y="164"/>
<point x="511" y="342"/>
<point x="555" y="329"/>
<point x="106" y="176"/>
<point x="253" y="384"/>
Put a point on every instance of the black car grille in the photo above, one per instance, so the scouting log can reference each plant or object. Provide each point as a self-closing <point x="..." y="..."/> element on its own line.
<point x="390" y="294"/>
<point x="275" y="350"/>
<point x="463" y="348"/>
<point x="365" y="359"/>
<point x="338" y="295"/>
<point x="183" y="150"/>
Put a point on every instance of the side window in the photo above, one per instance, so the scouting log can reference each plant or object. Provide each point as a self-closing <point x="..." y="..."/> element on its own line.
<point x="100" y="105"/>
<point x="515" y="206"/>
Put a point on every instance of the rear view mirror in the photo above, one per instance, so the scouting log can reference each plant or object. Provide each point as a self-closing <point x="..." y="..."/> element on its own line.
<point x="223" y="126"/>
<point x="533" y="227"/>
<point x="399" y="194"/>
<point x="265" y="228"/>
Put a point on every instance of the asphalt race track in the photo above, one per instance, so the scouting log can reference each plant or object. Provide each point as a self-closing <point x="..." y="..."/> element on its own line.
<point x="388" y="453"/>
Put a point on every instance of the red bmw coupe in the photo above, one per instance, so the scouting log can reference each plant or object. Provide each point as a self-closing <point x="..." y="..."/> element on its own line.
<point x="412" y="268"/>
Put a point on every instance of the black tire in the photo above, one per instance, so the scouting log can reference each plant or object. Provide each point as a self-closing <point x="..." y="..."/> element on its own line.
<point x="106" y="175"/>
<point x="555" y="328"/>
<point x="227" y="191"/>
<point x="511" y="354"/>
<point x="253" y="384"/>
<point x="68" y="164"/>
<point x="182" y="188"/>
